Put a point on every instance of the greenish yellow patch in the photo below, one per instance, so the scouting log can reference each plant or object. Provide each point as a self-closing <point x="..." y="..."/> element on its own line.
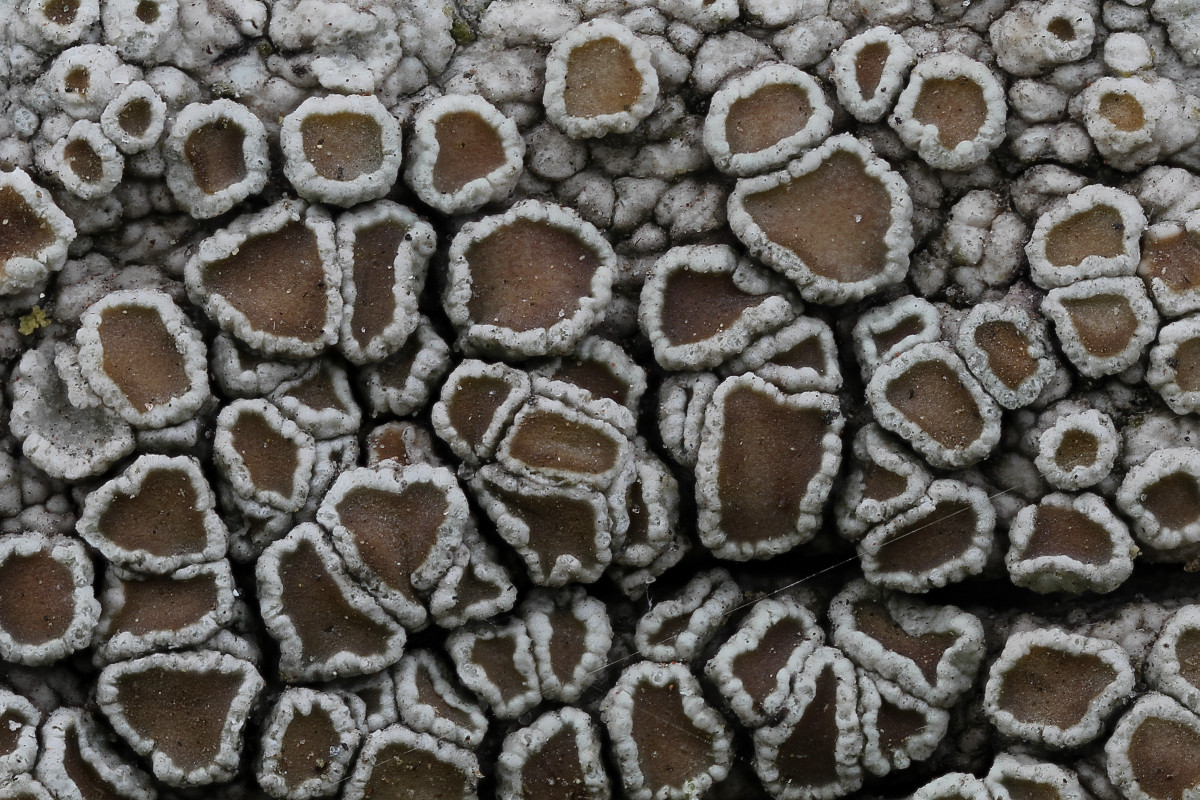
<point x="36" y="318"/>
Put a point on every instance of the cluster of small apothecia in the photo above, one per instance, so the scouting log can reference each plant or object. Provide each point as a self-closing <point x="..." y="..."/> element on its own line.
<point x="400" y="398"/>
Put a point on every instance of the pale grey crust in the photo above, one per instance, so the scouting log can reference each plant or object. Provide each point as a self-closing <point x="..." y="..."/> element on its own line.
<point x="327" y="422"/>
<point x="849" y="742"/>
<point x="226" y="242"/>
<point x="293" y="665"/>
<point x="759" y="358"/>
<point x="425" y="148"/>
<point x="814" y="494"/>
<point x="431" y="362"/>
<point x="1151" y="705"/>
<point x="1096" y="423"/>
<point x="978" y="361"/>
<point x="520" y="388"/>
<point x="881" y="320"/>
<point x="566" y="567"/>
<point x="953" y="786"/>
<point x="23" y="786"/>
<point x="426" y="718"/>
<point x="234" y="468"/>
<point x="462" y="761"/>
<point x="1162" y="540"/>
<point x="773" y="311"/>
<point x="815" y="130"/>
<point x="367" y="186"/>
<point x="129" y="483"/>
<point x="525" y="742"/>
<point x="765" y="614"/>
<point x="1061" y="573"/>
<point x="617" y="711"/>
<point x="1025" y="45"/>
<point x="925" y="139"/>
<point x="85" y="609"/>
<point x="1134" y="291"/>
<point x="126" y="645"/>
<point x="857" y="514"/>
<point x="812" y="287"/>
<point x="255" y="159"/>
<point x="937" y="454"/>
<point x="955" y="671"/>
<point x="1020" y="767"/>
<point x="505" y="702"/>
<point x="1163" y="669"/>
<point x="1164" y="364"/>
<point x="409" y="270"/>
<point x="971" y="561"/>
<point x="440" y="557"/>
<point x="476" y="337"/>
<point x="18" y="273"/>
<point x="556" y="81"/>
<point x="873" y="691"/>
<point x="225" y="763"/>
<point x="304" y="702"/>
<point x="705" y="601"/>
<point x="64" y="441"/>
<point x="25" y="716"/>
<point x="899" y="60"/>
<point x="95" y="746"/>
<point x="1049" y="276"/>
<point x="185" y="338"/>
<point x="597" y="640"/>
<point x="1091" y="725"/>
